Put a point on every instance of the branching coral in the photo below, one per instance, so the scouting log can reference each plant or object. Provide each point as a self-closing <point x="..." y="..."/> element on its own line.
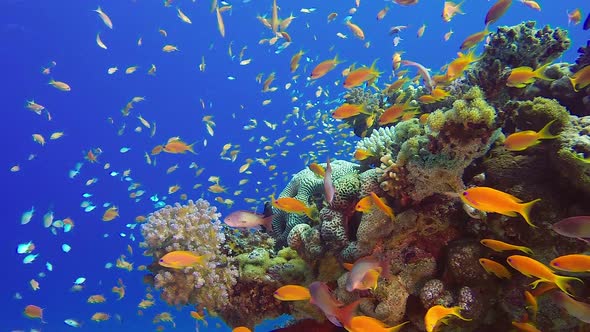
<point x="194" y="227"/>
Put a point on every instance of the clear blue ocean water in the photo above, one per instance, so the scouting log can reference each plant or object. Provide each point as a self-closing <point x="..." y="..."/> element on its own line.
<point x="33" y="33"/>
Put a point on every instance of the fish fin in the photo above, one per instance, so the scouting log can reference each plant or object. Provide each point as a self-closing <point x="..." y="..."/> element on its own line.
<point x="540" y="72"/>
<point x="344" y="314"/>
<point x="190" y="148"/>
<point x="545" y="133"/>
<point x="509" y="213"/>
<point x="347" y="266"/>
<point x="267" y="223"/>
<point x="573" y="81"/>
<point x="562" y="283"/>
<point x="525" y="210"/>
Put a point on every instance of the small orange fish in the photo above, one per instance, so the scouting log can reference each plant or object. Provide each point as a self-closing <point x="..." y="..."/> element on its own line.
<point x="394" y="112"/>
<point x="100" y="317"/>
<point x="361" y="154"/>
<point x="474" y="39"/>
<point x="497" y="10"/>
<point x="522" y="76"/>
<point x="575" y="16"/>
<point x="381" y="204"/>
<point x="324" y="67"/>
<point x="292" y="293"/>
<point x="525" y="139"/>
<point x="220" y="24"/>
<point x="491" y="200"/>
<point x="361" y="75"/>
<point x="294" y="64"/>
<point x="368" y="323"/>
<point x="581" y="78"/>
<point x="495" y="268"/>
<point x="532" y="268"/>
<point x="177" y="146"/>
<point x="451" y="9"/>
<point x="365" y="204"/>
<point x="110" y="214"/>
<point x="317" y="169"/>
<point x="293" y="205"/>
<point x="346" y="111"/>
<point x="356" y="30"/>
<point x="438" y="313"/>
<point x="381" y="14"/>
<point x="572" y="263"/>
<point x="525" y="326"/>
<point x="181" y="259"/>
<point x="241" y="329"/>
<point x="503" y="246"/>
<point x="421" y="30"/>
<point x="34" y="312"/>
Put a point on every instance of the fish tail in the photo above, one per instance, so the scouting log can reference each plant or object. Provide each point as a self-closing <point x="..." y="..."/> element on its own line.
<point x="573" y="81"/>
<point x="457" y="313"/>
<point x="191" y="148"/>
<point x="562" y="283"/>
<point x="545" y="133"/>
<point x="525" y="210"/>
<point x="540" y="72"/>
<point x="527" y="250"/>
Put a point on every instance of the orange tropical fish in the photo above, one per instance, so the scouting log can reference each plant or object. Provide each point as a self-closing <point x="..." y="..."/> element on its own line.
<point x="532" y="268"/>
<point x="100" y="317"/>
<point x="361" y="75"/>
<point x="575" y="16"/>
<point x="531" y="4"/>
<point x="381" y="204"/>
<point x="525" y="139"/>
<point x="293" y="205"/>
<point x="497" y="10"/>
<point x="356" y="30"/>
<point x="324" y="67"/>
<point x="421" y="30"/>
<point x="495" y="268"/>
<point x="180" y="259"/>
<point x="368" y="323"/>
<point x="110" y="214"/>
<point x="177" y="146"/>
<point x="346" y="111"/>
<point x="491" y="200"/>
<point x="292" y="293"/>
<point x="503" y="246"/>
<point x="294" y="64"/>
<point x="96" y="299"/>
<point x="241" y="329"/>
<point x="451" y="9"/>
<point x="34" y="312"/>
<point x="394" y="112"/>
<point x="361" y="154"/>
<point x="365" y="204"/>
<point x="581" y="78"/>
<point x="456" y="68"/>
<point x="474" y="39"/>
<point x="381" y="14"/>
<point x="522" y="76"/>
<point x="439" y="313"/>
<point x="60" y="85"/>
<point x="317" y="169"/>
<point x="572" y="263"/>
<point x="525" y="326"/>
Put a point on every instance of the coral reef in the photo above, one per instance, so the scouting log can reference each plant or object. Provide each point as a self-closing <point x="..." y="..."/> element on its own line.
<point x="193" y="227"/>
<point x="512" y="47"/>
<point x="431" y="158"/>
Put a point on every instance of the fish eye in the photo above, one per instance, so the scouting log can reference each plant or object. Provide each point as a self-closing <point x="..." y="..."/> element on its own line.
<point x="464" y="193"/>
<point x="161" y="260"/>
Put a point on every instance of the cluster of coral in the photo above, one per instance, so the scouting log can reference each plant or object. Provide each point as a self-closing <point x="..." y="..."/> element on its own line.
<point x="432" y="244"/>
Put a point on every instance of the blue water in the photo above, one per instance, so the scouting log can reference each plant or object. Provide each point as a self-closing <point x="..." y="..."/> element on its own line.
<point x="35" y="32"/>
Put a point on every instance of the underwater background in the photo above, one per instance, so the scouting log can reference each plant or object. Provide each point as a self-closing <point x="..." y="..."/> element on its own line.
<point x="205" y="93"/>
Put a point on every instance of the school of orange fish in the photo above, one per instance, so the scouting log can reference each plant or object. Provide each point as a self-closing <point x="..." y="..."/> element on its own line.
<point x="322" y="128"/>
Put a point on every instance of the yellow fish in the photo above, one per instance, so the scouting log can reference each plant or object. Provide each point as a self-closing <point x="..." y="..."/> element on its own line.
<point x="181" y="259"/>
